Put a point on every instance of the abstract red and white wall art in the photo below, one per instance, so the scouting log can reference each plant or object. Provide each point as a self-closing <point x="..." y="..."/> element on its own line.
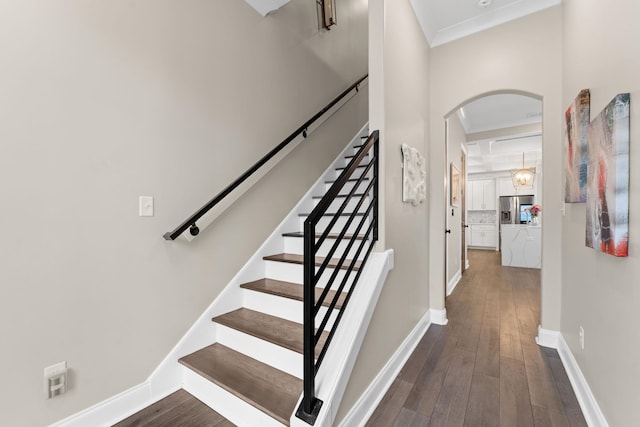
<point x="576" y="123"/>
<point x="608" y="179"/>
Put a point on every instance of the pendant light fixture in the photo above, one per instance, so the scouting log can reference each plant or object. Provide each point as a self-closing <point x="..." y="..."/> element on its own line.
<point x="524" y="177"/>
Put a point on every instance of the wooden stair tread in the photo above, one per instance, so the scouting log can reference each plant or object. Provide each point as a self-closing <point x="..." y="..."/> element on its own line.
<point x="290" y="290"/>
<point x="318" y="235"/>
<point x="299" y="259"/>
<point x="268" y="389"/>
<point x="275" y="330"/>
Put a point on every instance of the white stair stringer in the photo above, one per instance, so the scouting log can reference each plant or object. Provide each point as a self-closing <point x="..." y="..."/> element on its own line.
<point x="334" y="373"/>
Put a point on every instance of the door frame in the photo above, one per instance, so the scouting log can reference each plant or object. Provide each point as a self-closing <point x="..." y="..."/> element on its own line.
<point x="463" y="209"/>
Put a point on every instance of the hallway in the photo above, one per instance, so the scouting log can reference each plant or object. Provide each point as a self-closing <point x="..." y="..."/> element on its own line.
<point x="484" y="368"/>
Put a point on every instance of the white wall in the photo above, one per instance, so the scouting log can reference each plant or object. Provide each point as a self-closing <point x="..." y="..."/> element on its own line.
<point x="103" y="101"/>
<point x="455" y="138"/>
<point x="600" y="292"/>
<point x="523" y="55"/>
<point x="399" y="80"/>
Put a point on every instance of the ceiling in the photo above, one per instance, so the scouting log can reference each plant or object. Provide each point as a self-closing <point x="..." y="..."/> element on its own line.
<point x="500" y="111"/>
<point x="446" y="20"/>
<point x="500" y="128"/>
<point x="499" y="148"/>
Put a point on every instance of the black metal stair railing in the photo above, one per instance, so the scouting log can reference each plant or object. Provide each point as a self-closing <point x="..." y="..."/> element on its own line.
<point x="190" y="223"/>
<point x="354" y="242"/>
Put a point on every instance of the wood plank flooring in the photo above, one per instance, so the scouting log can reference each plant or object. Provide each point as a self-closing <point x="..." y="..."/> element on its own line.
<point x="484" y="368"/>
<point x="177" y="409"/>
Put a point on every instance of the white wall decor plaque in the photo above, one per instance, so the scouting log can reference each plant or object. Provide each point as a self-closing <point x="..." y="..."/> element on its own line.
<point x="414" y="175"/>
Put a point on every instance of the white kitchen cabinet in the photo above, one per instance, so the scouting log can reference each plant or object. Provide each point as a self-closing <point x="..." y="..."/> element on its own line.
<point x="506" y="188"/>
<point x="483" y="195"/>
<point x="483" y="236"/>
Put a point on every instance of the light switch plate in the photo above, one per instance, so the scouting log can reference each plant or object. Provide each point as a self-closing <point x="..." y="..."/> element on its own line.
<point x="145" y="206"/>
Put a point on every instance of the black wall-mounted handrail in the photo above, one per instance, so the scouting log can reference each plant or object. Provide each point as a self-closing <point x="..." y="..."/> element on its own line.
<point x="302" y="130"/>
<point x="351" y="268"/>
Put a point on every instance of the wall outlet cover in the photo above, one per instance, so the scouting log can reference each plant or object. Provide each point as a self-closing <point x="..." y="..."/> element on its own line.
<point x="55" y="380"/>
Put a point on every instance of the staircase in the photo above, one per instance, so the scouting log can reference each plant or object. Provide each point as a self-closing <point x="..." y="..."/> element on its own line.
<point x="251" y="372"/>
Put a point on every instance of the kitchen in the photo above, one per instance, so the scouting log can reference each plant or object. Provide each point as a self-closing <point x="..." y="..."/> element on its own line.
<point x="503" y="182"/>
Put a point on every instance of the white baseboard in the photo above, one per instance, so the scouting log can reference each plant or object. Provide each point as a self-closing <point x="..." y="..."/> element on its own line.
<point x="590" y="409"/>
<point x="364" y="407"/>
<point x="547" y="337"/>
<point x="111" y="410"/>
<point x="454" y="282"/>
<point x="438" y="317"/>
<point x="586" y="399"/>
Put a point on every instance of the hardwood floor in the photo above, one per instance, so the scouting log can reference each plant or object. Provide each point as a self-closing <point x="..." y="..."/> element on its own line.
<point x="484" y="368"/>
<point x="179" y="409"/>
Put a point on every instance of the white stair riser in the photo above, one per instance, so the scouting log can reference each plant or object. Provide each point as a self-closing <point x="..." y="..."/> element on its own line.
<point x="353" y="153"/>
<point x="268" y="353"/>
<point x="356" y="174"/>
<point x="362" y="187"/>
<point x="295" y="245"/>
<point x="355" y="150"/>
<point x="284" y="308"/>
<point x="226" y="404"/>
<point x="339" y="225"/>
<point x="289" y="272"/>
<point x="351" y="204"/>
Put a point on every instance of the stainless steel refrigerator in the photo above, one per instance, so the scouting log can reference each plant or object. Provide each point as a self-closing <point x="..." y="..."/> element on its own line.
<point x="514" y="210"/>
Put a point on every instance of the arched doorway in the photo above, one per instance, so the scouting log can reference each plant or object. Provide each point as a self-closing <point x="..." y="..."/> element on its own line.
<point x="487" y="138"/>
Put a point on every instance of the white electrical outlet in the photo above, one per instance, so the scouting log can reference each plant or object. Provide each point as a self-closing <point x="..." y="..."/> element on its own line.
<point x="581" y="335"/>
<point x="55" y="380"/>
